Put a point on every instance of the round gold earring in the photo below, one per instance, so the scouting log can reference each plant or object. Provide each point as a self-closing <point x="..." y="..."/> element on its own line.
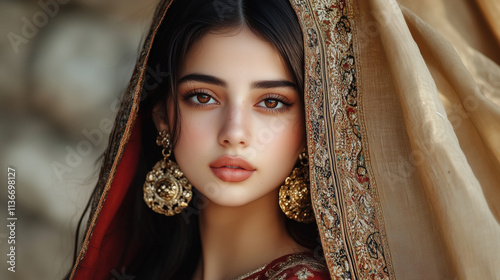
<point x="166" y="190"/>
<point x="294" y="195"/>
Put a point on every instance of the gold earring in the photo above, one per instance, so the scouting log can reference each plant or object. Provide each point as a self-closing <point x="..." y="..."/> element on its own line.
<point x="294" y="195"/>
<point x="166" y="190"/>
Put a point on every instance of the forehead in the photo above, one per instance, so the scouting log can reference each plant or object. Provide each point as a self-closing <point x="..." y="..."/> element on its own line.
<point x="235" y="55"/>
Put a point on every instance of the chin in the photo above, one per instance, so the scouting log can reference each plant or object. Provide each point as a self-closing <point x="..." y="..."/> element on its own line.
<point x="230" y="198"/>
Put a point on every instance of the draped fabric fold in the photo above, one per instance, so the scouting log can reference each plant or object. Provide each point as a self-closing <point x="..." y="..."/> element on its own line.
<point x="458" y="186"/>
<point x="403" y="131"/>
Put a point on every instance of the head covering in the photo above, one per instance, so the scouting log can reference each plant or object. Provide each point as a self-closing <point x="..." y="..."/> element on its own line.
<point x="403" y="133"/>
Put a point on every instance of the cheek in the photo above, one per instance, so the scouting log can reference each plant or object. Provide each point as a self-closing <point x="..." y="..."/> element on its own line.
<point x="285" y="133"/>
<point x="281" y="145"/>
<point x="194" y="134"/>
<point x="196" y="138"/>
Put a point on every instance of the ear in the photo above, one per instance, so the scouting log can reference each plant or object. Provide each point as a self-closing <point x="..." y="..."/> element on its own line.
<point x="159" y="116"/>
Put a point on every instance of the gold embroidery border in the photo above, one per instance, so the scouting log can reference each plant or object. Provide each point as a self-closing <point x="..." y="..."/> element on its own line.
<point x="346" y="244"/>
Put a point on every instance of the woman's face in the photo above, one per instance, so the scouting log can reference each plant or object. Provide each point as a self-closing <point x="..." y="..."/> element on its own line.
<point x="242" y="122"/>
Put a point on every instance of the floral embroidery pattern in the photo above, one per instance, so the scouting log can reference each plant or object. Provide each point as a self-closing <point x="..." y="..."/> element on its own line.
<point x="344" y="192"/>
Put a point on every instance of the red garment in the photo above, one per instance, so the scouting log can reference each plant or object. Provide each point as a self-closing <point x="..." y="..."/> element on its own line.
<point x="106" y="239"/>
<point x="291" y="267"/>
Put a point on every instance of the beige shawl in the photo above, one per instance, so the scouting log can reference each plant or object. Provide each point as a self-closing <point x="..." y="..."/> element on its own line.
<point x="410" y="129"/>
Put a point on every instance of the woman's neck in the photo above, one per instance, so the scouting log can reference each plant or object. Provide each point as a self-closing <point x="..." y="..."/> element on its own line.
<point x="236" y="240"/>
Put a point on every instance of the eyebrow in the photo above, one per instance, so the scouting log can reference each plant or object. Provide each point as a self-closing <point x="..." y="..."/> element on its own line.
<point x="216" y="81"/>
<point x="202" y="78"/>
<point x="273" y="84"/>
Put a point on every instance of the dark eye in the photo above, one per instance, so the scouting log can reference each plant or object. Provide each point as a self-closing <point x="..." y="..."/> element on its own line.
<point x="271" y="103"/>
<point x="202" y="98"/>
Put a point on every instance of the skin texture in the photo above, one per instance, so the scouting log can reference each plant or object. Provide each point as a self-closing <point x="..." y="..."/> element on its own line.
<point x="237" y="99"/>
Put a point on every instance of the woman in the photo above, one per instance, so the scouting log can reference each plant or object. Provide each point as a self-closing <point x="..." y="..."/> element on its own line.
<point x="230" y="120"/>
<point x="398" y="190"/>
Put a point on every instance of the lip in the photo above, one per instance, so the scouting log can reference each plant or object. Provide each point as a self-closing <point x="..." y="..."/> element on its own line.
<point x="232" y="169"/>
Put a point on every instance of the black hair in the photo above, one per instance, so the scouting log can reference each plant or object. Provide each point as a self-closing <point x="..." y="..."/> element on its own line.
<point x="162" y="247"/>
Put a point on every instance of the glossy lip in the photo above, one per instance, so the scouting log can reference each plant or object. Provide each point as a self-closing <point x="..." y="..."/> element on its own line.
<point x="232" y="168"/>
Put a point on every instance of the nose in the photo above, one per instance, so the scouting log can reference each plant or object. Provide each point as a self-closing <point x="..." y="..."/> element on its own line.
<point x="235" y="127"/>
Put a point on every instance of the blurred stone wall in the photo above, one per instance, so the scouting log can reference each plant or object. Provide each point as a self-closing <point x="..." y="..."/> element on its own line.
<point x="63" y="66"/>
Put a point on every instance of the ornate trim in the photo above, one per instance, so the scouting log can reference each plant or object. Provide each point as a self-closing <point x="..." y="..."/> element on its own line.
<point x="343" y="188"/>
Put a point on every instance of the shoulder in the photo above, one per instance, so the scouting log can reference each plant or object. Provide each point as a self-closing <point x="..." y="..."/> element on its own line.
<point x="303" y="266"/>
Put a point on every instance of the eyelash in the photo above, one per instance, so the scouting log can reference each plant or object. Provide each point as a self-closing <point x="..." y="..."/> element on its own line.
<point x="285" y="102"/>
<point x="189" y="96"/>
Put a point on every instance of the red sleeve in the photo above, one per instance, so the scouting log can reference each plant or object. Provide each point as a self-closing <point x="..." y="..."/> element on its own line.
<point x="303" y="272"/>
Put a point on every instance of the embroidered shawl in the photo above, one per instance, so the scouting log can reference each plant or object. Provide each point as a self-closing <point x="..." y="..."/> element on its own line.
<point x="402" y="105"/>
